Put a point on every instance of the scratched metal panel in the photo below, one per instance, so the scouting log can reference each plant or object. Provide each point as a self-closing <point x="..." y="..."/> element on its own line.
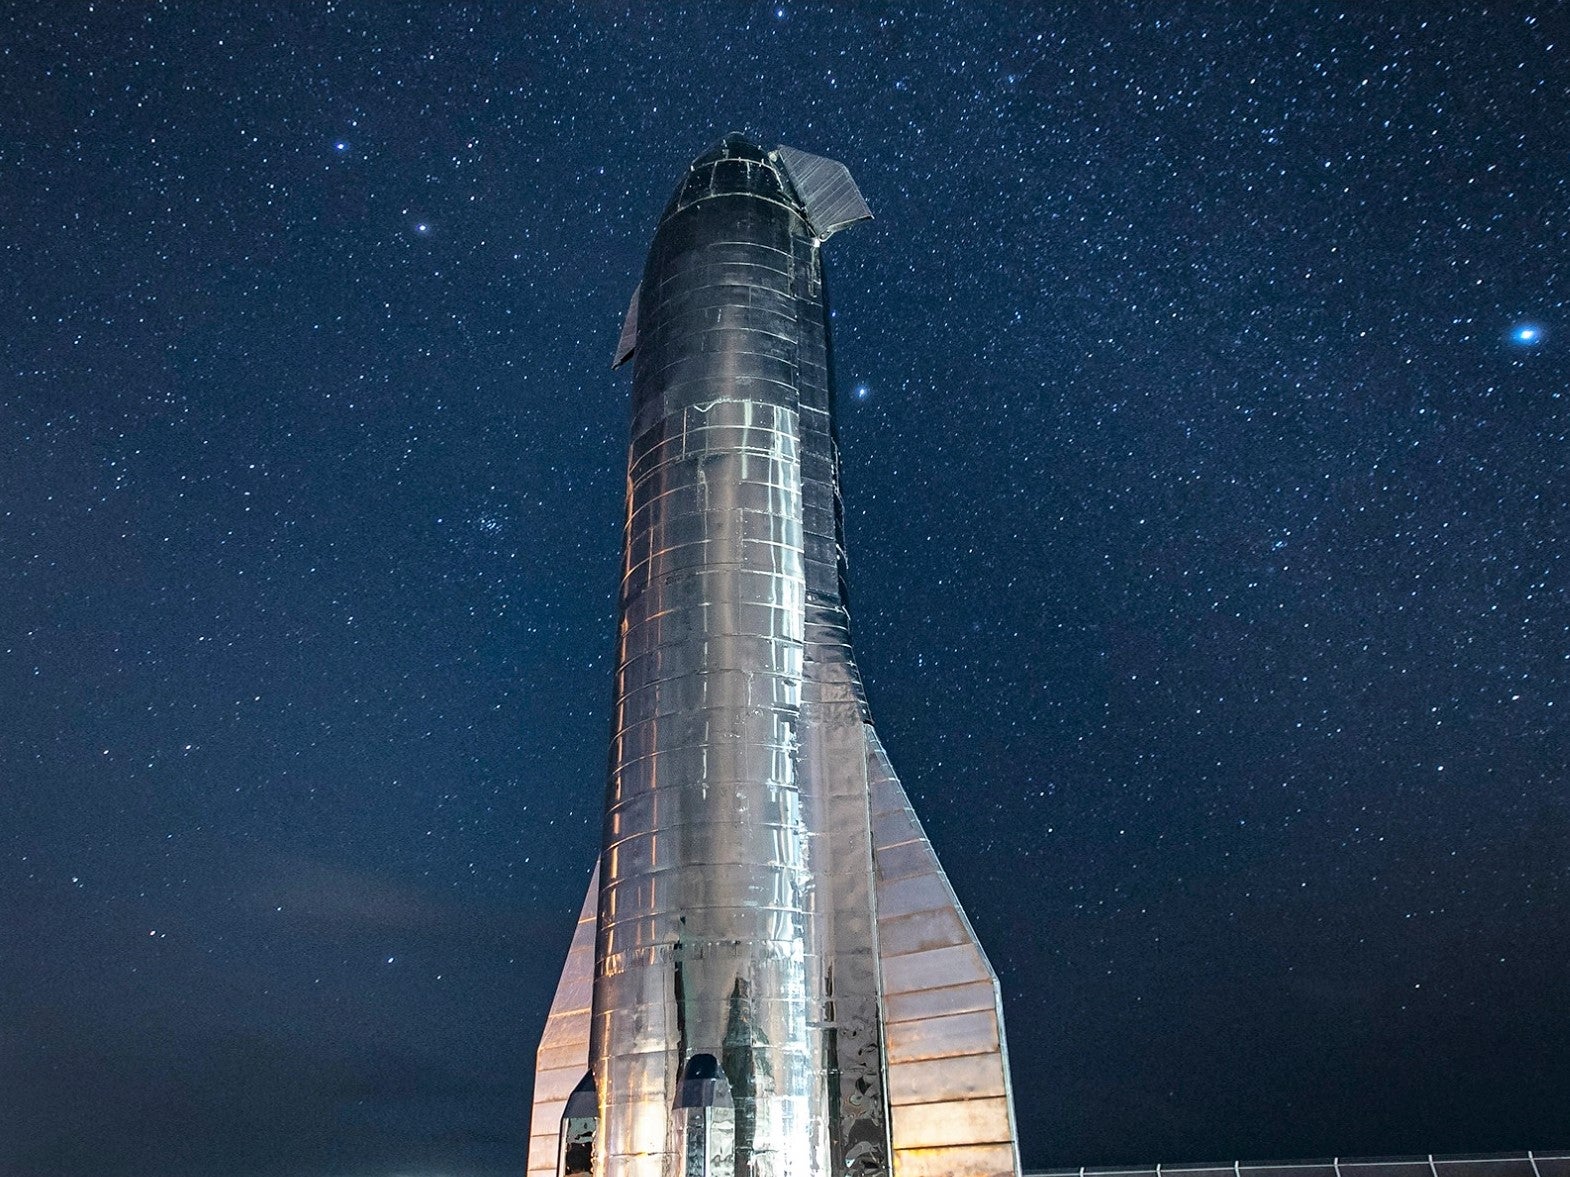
<point x="546" y="1121"/>
<point x="926" y="930"/>
<point x="911" y="895"/>
<point x="903" y="862"/>
<point x="928" y="1003"/>
<point x="553" y="1086"/>
<point x="891" y="827"/>
<point x="949" y="1036"/>
<point x="931" y="968"/>
<point x="953" y="1122"/>
<point x="563" y="1055"/>
<point x="988" y="1160"/>
<point x="968" y="1076"/>
<point x="543" y="1145"/>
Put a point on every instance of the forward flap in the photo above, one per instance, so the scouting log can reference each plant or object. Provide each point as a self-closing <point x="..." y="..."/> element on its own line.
<point x="627" y="343"/>
<point x="827" y="192"/>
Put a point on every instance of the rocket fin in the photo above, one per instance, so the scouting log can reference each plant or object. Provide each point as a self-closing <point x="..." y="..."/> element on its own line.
<point x="951" y="1106"/>
<point x="627" y="343"/>
<point x="830" y="196"/>
<point x="563" y="1057"/>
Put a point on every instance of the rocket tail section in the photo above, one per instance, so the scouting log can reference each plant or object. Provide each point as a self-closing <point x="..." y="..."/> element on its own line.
<point x="833" y="758"/>
<point x="950" y="1102"/>
<point x="563" y="1057"/>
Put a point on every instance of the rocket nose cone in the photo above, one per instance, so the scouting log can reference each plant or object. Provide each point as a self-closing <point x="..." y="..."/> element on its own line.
<point x="735" y="166"/>
<point x="735" y="145"/>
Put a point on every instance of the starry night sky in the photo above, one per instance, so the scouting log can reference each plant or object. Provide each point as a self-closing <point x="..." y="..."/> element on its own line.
<point x="1204" y="412"/>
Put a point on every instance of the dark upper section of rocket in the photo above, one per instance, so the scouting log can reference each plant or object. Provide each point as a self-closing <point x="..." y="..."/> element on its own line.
<point x="734" y="145"/>
<point x="734" y="166"/>
<point x="819" y="190"/>
<point x="817" y="194"/>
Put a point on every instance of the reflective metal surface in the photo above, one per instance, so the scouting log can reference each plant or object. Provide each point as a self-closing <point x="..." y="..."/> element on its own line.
<point x="756" y="1011"/>
<point x="563" y="1056"/>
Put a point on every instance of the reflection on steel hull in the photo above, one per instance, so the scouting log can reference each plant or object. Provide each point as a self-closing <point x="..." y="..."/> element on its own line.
<point x="759" y="861"/>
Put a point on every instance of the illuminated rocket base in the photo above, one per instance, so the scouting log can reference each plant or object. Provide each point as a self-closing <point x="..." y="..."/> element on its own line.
<point x="771" y="976"/>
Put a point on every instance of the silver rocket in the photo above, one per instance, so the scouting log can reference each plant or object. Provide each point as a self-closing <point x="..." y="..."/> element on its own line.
<point x="771" y="976"/>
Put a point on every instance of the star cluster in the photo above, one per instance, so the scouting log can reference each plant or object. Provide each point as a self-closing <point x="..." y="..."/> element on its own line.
<point x="1204" y="419"/>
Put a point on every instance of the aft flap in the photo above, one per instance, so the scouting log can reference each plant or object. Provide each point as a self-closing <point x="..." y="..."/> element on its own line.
<point x="563" y="1056"/>
<point x="951" y="1105"/>
<point x="827" y="192"/>
<point x="628" y="342"/>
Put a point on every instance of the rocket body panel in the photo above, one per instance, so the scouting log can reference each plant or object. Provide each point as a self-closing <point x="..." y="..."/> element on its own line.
<point x="563" y="1055"/>
<point x="741" y="1011"/>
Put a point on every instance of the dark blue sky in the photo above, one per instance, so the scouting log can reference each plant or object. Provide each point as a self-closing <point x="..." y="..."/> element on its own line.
<point x="1206" y="498"/>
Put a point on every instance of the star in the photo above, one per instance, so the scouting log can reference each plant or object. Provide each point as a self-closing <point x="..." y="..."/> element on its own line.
<point x="1526" y="334"/>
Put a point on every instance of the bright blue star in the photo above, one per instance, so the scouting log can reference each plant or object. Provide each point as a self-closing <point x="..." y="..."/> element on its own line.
<point x="340" y="147"/>
<point x="422" y="228"/>
<point x="862" y="392"/>
<point x="1527" y="334"/>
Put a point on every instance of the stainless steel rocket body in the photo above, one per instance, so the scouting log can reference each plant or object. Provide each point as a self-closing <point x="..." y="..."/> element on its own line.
<point x="737" y="1023"/>
<point x="707" y="941"/>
